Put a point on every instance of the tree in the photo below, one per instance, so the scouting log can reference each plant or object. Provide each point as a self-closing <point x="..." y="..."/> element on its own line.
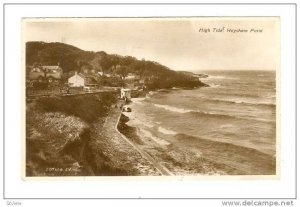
<point x="105" y="63"/>
<point x="122" y="71"/>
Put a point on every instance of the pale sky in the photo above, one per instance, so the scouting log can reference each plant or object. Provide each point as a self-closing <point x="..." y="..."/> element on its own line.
<point x="178" y="43"/>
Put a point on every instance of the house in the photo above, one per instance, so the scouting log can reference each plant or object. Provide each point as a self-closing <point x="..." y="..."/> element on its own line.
<point x="47" y="73"/>
<point x="133" y="81"/>
<point x="125" y="93"/>
<point x="53" y="73"/>
<point x="35" y="73"/>
<point x="140" y="83"/>
<point x="82" y="80"/>
<point x="130" y="76"/>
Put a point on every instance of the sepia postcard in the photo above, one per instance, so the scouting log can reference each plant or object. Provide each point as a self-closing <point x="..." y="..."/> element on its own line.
<point x="184" y="96"/>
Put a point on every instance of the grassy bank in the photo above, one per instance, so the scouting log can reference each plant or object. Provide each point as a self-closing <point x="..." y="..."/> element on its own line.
<point x="88" y="107"/>
<point x="59" y="136"/>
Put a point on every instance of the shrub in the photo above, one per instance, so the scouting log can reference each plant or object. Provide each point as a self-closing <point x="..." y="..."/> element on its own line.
<point x="88" y="107"/>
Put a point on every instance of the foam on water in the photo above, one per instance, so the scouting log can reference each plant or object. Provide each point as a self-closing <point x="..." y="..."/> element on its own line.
<point x="146" y="133"/>
<point x="233" y="122"/>
<point x="172" y="108"/>
<point x="135" y="120"/>
<point x="166" y="131"/>
<point x="138" y="100"/>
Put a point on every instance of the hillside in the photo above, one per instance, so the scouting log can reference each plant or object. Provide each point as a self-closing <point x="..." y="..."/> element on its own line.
<point x="75" y="136"/>
<point x="72" y="58"/>
<point x="53" y="53"/>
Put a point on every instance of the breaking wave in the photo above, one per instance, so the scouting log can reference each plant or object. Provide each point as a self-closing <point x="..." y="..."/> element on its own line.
<point x="242" y="102"/>
<point x="214" y="77"/>
<point x="166" y="131"/>
<point x="173" y="108"/>
<point x="234" y="156"/>
<point x="207" y="114"/>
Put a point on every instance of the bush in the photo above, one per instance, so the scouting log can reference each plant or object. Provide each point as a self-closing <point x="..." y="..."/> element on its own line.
<point x="88" y="107"/>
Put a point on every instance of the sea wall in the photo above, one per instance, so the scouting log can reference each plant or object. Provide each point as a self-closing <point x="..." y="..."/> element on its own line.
<point x="128" y="131"/>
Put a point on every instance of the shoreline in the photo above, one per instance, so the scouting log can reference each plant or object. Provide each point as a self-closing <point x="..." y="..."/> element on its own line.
<point x="170" y="157"/>
<point x="187" y="155"/>
<point x="183" y="158"/>
<point x="124" y="130"/>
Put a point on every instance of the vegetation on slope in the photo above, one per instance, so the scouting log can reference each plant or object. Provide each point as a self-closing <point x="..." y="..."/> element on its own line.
<point x="86" y="107"/>
<point x="59" y="139"/>
<point x="72" y="58"/>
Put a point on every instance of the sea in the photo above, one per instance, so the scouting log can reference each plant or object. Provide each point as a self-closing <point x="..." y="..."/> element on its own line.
<point x="237" y="110"/>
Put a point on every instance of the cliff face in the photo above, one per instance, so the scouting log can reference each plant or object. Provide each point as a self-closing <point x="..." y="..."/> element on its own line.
<point x="76" y="136"/>
<point x="58" y="134"/>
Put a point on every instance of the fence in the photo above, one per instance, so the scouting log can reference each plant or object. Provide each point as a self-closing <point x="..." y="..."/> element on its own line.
<point x="63" y="91"/>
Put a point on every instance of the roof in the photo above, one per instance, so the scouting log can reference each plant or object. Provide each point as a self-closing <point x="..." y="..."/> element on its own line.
<point x="51" y="67"/>
<point x="86" y="75"/>
<point x="54" y="76"/>
<point x="125" y="89"/>
<point x="91" y="78"/>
